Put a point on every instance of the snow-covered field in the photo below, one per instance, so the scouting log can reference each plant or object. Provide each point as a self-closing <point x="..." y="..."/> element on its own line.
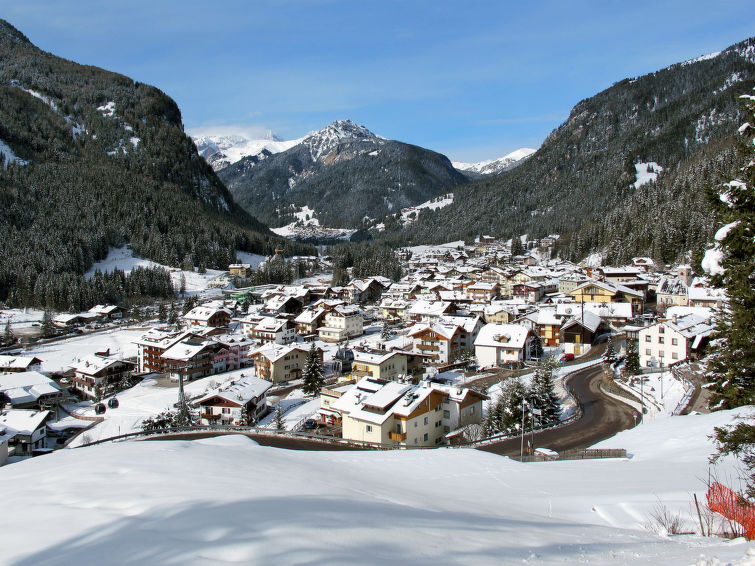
<point x="230" y="501"/>
<point x="125" y="259"/>
<point x="435" y="204"/>
<point x="140" y="402"/>
<point x="58" y="356"/>
<point x="646" y="173"/>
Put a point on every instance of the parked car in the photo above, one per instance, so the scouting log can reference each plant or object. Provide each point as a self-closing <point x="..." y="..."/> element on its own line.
<point x="310" y="424"/>
<point x="567" y="358"/>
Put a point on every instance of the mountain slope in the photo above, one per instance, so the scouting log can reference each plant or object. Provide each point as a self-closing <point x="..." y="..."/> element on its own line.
<point x="493" y="166"/>
<point x="583" y="180"/>
<point x="344" y="173"/>
<point x="222" y="151"/>
<point x="92" y="160"/>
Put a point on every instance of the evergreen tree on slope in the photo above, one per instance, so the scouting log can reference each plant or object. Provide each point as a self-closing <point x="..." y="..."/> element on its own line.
<point x="314" y="373"/>
<point x="732" y="266"/>
<point x="543" y="394"/>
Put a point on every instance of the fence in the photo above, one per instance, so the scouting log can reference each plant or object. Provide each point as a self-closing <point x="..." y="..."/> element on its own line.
<point x="733" y="506"/>
<point x="586" y="454"/>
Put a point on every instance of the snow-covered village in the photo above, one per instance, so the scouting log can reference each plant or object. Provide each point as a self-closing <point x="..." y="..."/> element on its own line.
<point x="514" y="323"/>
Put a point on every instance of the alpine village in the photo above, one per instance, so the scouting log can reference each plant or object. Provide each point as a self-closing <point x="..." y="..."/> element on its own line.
<point x="389" y="320"/>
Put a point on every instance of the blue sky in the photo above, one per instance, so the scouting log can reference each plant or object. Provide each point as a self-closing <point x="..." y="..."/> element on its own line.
<point x="474" y="80"/>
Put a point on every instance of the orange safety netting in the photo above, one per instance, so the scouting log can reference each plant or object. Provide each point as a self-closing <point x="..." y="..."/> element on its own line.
<point x="733" y="506"/>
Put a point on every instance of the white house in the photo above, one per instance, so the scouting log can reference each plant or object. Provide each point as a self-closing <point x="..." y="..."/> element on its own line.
<point x="500" y="344"/>
<point x="29" y="389"/>
<point x="673" y="340"/>
<point x="341" y="323"/>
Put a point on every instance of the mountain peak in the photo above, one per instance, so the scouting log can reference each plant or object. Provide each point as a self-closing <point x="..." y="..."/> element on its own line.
<point x="324" y="141"/>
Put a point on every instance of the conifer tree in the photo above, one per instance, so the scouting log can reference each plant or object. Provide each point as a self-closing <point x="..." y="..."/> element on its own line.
<point x="48" y="329"/>
<point x="543" y="394"/>
<point x="313" y="375"/>
<point x="162" y="313"/>
<point x="632" y="362"/>
<point x="733" y="362"/>
<point x="732" y="368"/>
<point x="385" y="333"/>
<point x="280" y="424"/>
<point x="8" y="336"/>
<point x="610" y="355"/>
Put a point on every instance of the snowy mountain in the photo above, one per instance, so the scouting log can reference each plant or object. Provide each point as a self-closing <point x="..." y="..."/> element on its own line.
<point x="493" y="166"/>
<point x="222" y="151"/>
<point x="349" y="177"/>
<point x="323" y="143"/>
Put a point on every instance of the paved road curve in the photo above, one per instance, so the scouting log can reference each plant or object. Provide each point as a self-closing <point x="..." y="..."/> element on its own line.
<point x="602" y="417"/>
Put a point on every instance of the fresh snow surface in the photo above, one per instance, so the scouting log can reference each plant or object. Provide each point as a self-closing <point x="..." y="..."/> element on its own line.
<point x="433" y="204"/>
<point x="7" y="156"/>
<point x="252" y="259"/>
<point x="107" y="110"/>
<point x="420" y="250"/>
<point x="61" y="354"/>
<point x="646" y="172"/>
<point x="125" y="259"/>
<point x="701" y="58"/>
<point x="233" y="148"/>
<point x="230" y="501"/>
<point x="495" y="165"/>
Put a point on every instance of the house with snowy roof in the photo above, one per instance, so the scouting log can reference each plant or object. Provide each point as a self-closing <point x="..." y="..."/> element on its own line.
<point x="276" y="363"/>
<point x="605" y="292"/>
<point x="706" y="297"/>
<point x="579" y="332"/>
<point x="429" y="311"/>
<point x="671" y="291"/>
<point x="28" y="428"/>
<point x="242" y="400"/>
<point x="674" y="340"/>
<point x="309" y="321"/>
<point x="17" y="364"/>
<point x="405" y="415"/>
<point x="273" y="329"/>
<point x="204" y="316"/>
<point x="95" y="376"/>
<point x="29" y="389"/>
<point x="545" y="323"/>
<point x="341" y="323"/>
<point x="503" y="344"/>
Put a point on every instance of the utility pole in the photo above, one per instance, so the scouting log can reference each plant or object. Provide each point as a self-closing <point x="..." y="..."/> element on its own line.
<point x="521" y="450"/>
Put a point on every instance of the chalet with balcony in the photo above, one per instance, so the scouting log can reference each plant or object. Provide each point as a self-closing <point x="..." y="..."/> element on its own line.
<point x="27" y="428"/>
<point x="204" y="316"/>
<point x="98" y="376"/>
<point x="243" y="401"/>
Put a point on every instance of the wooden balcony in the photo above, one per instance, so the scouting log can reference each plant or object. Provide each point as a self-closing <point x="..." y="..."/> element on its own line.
<point x="427" y="347"/>
<point x="210" y="416"/>
<point x="397" y="436"/>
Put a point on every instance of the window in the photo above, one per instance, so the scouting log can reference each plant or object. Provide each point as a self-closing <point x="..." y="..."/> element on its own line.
<point x="660" y="340"/>
<point x="674" y="341"/>
<point x="647" y="352"/>
<point x="426" y="421"/>
<point x="661" y="329"/>
<point x="425" y="437"/>
<point x="368" y="428"/>
<point x="447" y="414"/>
<point x="647" y="338"/>
<point x="674" y="356"/>
<point x="661" y="354"/>
<point x="226" y="411"/>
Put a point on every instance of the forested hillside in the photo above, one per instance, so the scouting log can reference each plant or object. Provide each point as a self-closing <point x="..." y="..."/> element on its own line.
<point x="91" y="160"/>
<point x="583" y="181"/>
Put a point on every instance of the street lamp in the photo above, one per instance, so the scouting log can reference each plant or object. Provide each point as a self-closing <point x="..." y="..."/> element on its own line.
<point x="521" y="451"/>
